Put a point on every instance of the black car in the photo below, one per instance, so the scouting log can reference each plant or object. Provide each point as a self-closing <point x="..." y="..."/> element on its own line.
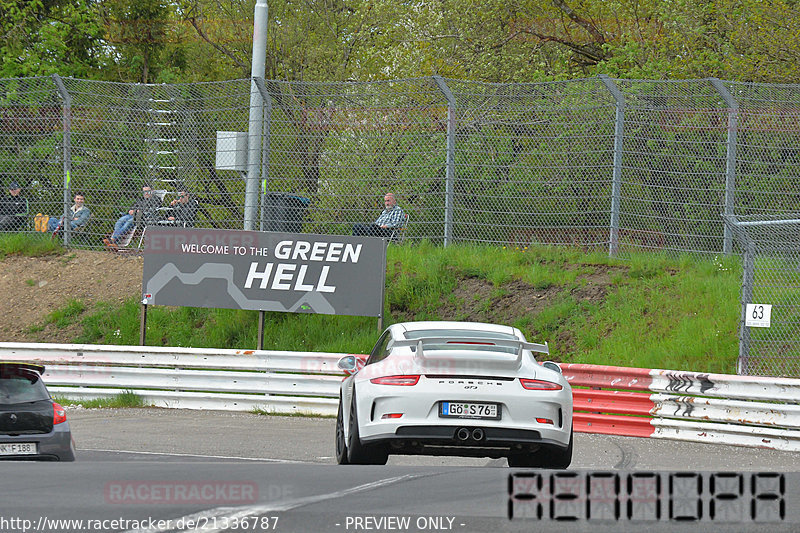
<point x="32" y="425"/>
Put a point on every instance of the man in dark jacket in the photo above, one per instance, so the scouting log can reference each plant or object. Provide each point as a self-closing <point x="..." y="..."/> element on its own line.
<point x="184" y="211"/>
<point x="142" y="212"/>
<point x="13" y="209"/>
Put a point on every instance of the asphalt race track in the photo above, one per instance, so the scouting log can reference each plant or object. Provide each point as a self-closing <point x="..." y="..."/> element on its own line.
<point x="164" y="470"/>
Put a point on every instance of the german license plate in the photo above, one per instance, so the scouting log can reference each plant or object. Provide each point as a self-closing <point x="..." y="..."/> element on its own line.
<point x="469" y="410"/>
<point x="18" y="448"/>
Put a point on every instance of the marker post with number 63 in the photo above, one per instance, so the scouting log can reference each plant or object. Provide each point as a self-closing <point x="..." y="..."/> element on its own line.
<point x="758" y="315"/>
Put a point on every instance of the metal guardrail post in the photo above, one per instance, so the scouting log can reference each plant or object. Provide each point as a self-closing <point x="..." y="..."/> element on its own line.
<point x="616" y="183"/>
<point x="267" y="121"/>
<point x="66" y="119"/>
<point x="730" y="164"/>
<point x="451" y="158"/>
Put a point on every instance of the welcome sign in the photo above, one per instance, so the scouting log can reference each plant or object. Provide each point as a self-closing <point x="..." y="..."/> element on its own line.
<point x="264" y="271"/>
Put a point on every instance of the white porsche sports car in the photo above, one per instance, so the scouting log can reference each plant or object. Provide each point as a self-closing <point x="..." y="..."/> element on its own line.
<point x="454" y="388"/>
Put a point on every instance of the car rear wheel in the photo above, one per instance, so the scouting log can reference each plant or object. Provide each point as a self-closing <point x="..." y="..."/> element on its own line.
<point x="561" y="458"/>
<point x="341" y="443"/>
<point x="554" y="458"/>
<point x="358" y="453"/>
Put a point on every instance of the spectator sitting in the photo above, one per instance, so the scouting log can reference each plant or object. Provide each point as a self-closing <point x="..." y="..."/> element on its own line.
<point x="143" y="210"/>
<point x="13" y="209"/>
<point x="80" y="216"/>
<point x="390" y="219"/>
<point x="184" y="211"/>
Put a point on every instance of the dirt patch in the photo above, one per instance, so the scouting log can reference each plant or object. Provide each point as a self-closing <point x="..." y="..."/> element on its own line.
<point x="33" y="287"/>
<point x="593" y="287"/>
<point x="478" y="300"/>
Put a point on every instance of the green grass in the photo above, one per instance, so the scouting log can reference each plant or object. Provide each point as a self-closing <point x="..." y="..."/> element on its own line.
<point x="66" y="315"/>
<point x="671" y="321"/>
<point x="28" y="245"/>
<point x="123" y="399"/>
<point x="649" y="310"/>
<point x="298" y="414"/>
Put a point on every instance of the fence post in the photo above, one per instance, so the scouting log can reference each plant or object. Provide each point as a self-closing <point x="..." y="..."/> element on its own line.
<point x="451" y="158"/>
<point x="616" y="181"/>
<point x="265" y="118"/>
<point x="66" y="119"/>
<point x="730" y="164"/>
<point x="258" y="66"/>
<point x="267" y="121"/>
<point x="252" y="180"/>
<point x="743" y="364"/>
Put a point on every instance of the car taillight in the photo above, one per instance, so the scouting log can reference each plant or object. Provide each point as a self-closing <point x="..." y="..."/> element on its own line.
<point x="538" y="384"/>
<point x="59" y="414"/>
<point x="395" y="380"/>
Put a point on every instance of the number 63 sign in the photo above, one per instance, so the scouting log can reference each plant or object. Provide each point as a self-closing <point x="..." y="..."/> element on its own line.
<point x="757" y="315"/>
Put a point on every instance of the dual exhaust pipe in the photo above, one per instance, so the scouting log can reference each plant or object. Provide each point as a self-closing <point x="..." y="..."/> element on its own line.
<point x="464" y="434"/>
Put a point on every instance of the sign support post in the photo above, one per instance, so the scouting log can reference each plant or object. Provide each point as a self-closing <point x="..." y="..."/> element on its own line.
<point x="383" y="287"/>
<point x="143" y="326"/>
<point x="261" y="315"/>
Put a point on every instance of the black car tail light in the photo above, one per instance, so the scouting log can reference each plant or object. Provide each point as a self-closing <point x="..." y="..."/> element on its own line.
<point x="59" y="414"/>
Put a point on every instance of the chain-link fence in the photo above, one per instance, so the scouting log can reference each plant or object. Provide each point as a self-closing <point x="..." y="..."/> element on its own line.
<point x="769" y="329"/>
<point x="60" y="137"/>
<point x="618" y="165"/>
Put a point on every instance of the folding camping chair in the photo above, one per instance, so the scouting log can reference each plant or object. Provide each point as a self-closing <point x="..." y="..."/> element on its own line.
<point x="137" y="233"/>
<point x="399" y="233"/>
<point x="133" y="235"/>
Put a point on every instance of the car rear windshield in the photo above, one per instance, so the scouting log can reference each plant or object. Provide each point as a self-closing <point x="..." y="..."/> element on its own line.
<point x="473" y="337"/>
<point x="21" y="387"/>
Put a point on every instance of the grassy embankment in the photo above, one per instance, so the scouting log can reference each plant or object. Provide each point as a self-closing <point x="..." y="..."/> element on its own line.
<point x="649" y="311"/>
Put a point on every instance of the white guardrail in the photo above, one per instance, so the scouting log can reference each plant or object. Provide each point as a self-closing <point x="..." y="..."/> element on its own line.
<point x="728" y="409"/>
<point x="189" y="378"/>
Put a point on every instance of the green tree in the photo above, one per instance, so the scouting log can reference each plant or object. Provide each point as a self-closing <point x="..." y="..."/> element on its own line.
<point x="333" y="40"/>
<point x="306" y="39"/>
<point x="42" y="37"/>
<point x="143" y="40"/>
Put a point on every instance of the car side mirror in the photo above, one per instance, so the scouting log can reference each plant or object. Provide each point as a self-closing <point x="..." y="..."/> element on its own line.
<point x="350" y="364"/>
<point x="552" y="366"/>
<point x="347" y="363"/>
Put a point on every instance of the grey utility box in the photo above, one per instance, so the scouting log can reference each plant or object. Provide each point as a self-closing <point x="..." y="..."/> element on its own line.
<point x="231" y="151"/>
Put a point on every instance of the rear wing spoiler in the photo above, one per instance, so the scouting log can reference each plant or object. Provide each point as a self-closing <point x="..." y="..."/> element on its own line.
<point x="39" y="369"/>
<point x="518" y="346"/>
